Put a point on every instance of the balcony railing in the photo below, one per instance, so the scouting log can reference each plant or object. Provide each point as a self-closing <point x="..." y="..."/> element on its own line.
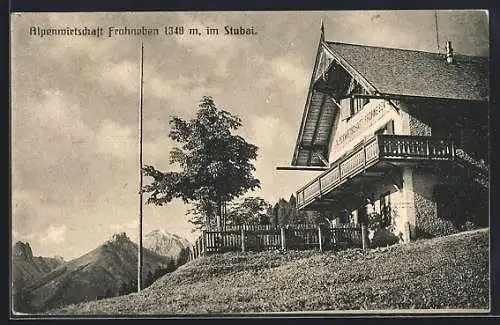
<point x="380" y="147"/>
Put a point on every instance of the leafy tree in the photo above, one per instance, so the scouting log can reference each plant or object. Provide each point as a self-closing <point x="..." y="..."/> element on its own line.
<point x="215" y="164"/>
<point x="252" y="210"/>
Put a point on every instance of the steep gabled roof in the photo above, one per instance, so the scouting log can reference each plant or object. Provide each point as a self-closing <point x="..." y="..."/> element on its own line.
<point x="416" y="73"/>
<point x="384" y="71"/>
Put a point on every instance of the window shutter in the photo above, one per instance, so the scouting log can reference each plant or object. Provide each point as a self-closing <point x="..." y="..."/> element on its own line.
<point x="390" y="127"/>
<point x="345" y="108"/>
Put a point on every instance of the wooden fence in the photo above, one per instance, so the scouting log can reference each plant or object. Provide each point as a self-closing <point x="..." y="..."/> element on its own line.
<point x="270" y="237"/>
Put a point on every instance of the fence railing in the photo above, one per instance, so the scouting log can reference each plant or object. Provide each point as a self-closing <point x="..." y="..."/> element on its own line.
<point x="380" y="147"/>
<point x="270" y="237"/>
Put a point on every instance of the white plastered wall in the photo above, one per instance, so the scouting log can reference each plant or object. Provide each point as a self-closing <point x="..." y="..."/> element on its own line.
<point x="363" y="125"/>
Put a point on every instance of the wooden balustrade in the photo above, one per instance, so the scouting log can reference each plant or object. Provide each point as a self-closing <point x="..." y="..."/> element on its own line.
<point x="415" y="147"/>
<point x="394" y="147"/>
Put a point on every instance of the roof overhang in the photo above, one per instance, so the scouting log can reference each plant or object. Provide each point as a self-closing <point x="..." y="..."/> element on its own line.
<point x="330" y="74"/>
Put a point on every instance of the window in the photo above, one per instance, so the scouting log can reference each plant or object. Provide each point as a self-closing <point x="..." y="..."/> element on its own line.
<point x="386" y="129"/>
<point x="358" y="104"/>
<point x="352" y="105"/>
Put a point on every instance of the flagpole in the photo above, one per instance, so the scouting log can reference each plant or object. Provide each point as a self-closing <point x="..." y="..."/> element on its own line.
<point x="437" y="29"/>
<point x="139" y="252"/>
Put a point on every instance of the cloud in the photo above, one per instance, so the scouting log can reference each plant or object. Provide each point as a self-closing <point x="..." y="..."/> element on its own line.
<point x="17" y="236"/>
<point x="289" y="71"/>
<point x="131" y="224"/>
<point x="53" y="235"/>
<point x="115" y="139"/>
<point x="219" y="49"/>
<point x="268" y="130"/>
<point x="53" y="110"/>
<point x="124" y="74"/>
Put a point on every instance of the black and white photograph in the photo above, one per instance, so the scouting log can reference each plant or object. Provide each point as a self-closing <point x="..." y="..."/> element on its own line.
<point x="240" y="163"/>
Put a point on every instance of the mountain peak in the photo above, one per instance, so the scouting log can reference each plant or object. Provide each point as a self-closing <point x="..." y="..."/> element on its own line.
<point x="159" y="232"/>
<point x="165" y="243"/>
<point x="118" y="240"/>
<point x="120" y="237"/>
<point x="22" y="250"/>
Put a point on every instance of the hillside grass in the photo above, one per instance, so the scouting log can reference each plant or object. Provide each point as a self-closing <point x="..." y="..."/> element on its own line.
<point x="442" y="273"/>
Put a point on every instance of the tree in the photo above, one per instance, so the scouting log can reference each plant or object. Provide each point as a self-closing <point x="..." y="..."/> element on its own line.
<point x="215" y="165"/>
<point x="149" y="279"/>
<point x="283" y="212"/>
<point x="296" y="216"/>
<point x="315" y="217"/>
<point x="109" y="293"/>
<point x="183" y="256"/>
<point x="169" y="268"/>
<point x="252" y="210"/>
<point x="124" y="289"/>
<point x="274" y="215"/>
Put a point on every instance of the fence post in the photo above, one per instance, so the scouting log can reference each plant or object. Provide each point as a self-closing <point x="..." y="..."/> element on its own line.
<point x="204" y="243"/>
<point x="283" y="239"/>
<point x="242" y="239"/>
<point x="320" y="239"/>
<point x="407" y="237"/>
<point x="364" y="235"/>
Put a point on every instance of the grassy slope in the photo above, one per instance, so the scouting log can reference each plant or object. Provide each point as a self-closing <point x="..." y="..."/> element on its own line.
<point x="447" y="272"/>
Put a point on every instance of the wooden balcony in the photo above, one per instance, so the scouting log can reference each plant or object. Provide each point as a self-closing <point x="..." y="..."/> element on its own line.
<point x="394" y="149"/>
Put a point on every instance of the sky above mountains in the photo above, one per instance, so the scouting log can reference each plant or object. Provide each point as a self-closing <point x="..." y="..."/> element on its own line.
<point x="74" y="109"/>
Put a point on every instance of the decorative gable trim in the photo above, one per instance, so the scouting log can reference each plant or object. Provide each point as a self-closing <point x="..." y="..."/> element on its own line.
<point x="353" y="72"/>
<point x="326" y="60"/>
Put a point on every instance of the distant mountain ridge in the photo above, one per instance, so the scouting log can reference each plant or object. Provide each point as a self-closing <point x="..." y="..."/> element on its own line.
<point x="102" y="272"/>
<point x="28" y="268"/>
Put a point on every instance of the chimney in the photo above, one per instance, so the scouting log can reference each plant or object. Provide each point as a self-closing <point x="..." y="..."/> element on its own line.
<point x="449" y="53"/>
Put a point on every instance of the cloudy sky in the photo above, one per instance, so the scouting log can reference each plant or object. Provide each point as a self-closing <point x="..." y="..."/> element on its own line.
<point x="75" y="106"/>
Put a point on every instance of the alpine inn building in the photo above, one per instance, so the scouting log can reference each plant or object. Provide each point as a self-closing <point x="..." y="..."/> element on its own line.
<point x="396" y="131"/>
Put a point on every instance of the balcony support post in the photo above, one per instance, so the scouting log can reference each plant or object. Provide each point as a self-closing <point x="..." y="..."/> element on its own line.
<point x="320" y="239"/>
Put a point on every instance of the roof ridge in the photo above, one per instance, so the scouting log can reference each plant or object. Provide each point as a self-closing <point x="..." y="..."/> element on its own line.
<point x="409" y="50"/>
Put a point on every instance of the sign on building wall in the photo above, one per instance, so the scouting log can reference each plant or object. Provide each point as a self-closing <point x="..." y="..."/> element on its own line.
<point x="363" y="124"/>
<point x="356" y="126"/>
